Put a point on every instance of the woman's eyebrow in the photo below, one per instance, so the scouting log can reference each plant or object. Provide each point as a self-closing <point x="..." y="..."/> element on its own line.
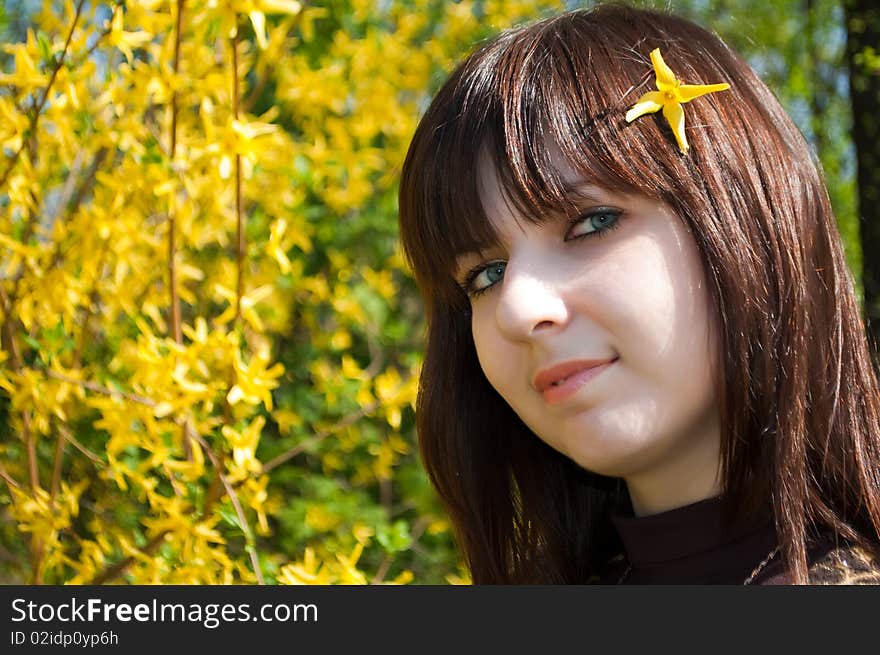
<point x="583" y="191"/>
<point x="461" y="267"/>
<point x="467" y="259"/>
<point x="478" y="247"/>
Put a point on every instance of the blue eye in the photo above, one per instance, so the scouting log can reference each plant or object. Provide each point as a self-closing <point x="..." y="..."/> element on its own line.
<point x="592" y="222"/>
<point x="483" y="278"/>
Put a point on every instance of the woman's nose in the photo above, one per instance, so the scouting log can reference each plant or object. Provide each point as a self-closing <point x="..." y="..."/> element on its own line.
<point x="529" y="304"/>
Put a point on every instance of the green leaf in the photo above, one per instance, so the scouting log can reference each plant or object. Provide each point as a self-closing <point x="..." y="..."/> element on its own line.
<point x="395" y="538"/>
<point x="227" y="513"/>
<point x="33" y="343"/>
<point x="45" y="47"/>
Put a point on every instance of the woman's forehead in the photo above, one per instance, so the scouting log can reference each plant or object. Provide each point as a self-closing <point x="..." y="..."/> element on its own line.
<point x="499" y="205"/>
<point x="505" y="217"/>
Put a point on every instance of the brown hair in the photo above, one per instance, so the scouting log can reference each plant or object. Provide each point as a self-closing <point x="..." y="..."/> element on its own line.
<point x="799" y="401"/>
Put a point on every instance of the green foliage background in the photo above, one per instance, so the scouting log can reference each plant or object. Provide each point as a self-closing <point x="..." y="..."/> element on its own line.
<point x="270" y="438"/>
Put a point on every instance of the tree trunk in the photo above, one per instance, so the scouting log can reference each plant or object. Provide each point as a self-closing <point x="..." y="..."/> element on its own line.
<point x="863" y="39"/>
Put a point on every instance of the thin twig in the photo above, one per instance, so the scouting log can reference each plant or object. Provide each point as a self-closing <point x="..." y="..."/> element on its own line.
<point x="31" y="442"/>
<point x="175" y="485"/>
<point x="239" y="211"/>
<point x="215" y="491"/>
<point x="94" y="46"/>
<point x="75" y="199"/>
<point x="7" y="556"/>
<point x="32" y="128"/>
<point x="57" y="465"/>
<point x="175" y="67"/>
<point x="239" y="222"/>
<point x="415" y="534"/>
<point x="239" y="254"/>
<point x="115" y="570"/>
<point x="320" y="436"/>
<point x="236" y="504"/>
<point x="76" y="444"/>
<point x="418" y="528"/>
<point x="383" y="569"/>
<point x="30" y="224"/>
<point x="8" y="334"/>
<point x="16" y="363"/>
<point x="176" y="330"/>
<point x="40" y="549"/>
<point x="37" y="545"/>
<point x="385" y="498"/>
<point x="255" y="93"/>
<point x="84" y="323"/>
<point x="377" y="361"/>
<point x="69" y="184"/>
<point x="8" y="479"/>
<point x="172" y="220"/>
<point x="27" y="435"/>
<point x="8" y="302"/>
<point x="99" y="388"/>
<point x="71" y="204"/>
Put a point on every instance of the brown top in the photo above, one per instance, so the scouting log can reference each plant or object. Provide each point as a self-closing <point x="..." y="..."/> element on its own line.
<point x="689" y="545"/>
<point x="694" y="545"/>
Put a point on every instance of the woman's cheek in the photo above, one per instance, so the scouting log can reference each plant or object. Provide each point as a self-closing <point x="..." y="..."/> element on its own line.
<point x="489" y="345"/>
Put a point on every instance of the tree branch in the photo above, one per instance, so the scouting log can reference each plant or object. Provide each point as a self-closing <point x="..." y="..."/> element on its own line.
<point x="8" y="479"/>
<point x="11" y="345"/>
<point x="172" y="220"/>
<point x="114" y="571"/>
<point x="76" y="198"/>
<point x="239" y="210"/>
<point x="76" y="444"/>
<point x="39" y="107"/>
<point x="239" y="511"/>
<point x="57" y="465"/>
<point x="320" y="436"/>
<point x="99" y="388"/>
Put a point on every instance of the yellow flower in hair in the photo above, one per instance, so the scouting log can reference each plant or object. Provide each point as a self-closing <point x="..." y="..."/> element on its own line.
<point x="670" y="95"/>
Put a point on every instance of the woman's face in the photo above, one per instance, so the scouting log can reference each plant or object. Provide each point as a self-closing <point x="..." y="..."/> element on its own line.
<point x="617" y="299"/>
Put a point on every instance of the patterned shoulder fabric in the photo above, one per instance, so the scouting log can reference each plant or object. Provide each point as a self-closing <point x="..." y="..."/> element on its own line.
<point x="847" y="565"/>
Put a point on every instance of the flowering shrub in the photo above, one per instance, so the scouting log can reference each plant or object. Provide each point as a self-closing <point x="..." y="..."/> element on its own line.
<point x="210" y="341"/>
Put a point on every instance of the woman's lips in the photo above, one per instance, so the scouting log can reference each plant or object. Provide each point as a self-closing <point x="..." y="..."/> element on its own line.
<point x="556" y="393"/>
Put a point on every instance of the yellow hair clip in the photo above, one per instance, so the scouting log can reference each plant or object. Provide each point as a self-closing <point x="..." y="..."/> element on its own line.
<point x="669" y="96"/>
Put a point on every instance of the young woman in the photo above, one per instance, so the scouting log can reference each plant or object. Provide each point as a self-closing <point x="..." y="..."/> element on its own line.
<point x="645" y="361"/>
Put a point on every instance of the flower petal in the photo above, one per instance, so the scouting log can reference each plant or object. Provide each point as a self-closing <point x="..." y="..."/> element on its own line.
<point x="647" y="104"/>
<point x="258" y="20"/>
<point x="687" y="92"/>
<point x="674" y="114"/>
<point x="281" y="6"/>
<point x="665" y="77"/>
